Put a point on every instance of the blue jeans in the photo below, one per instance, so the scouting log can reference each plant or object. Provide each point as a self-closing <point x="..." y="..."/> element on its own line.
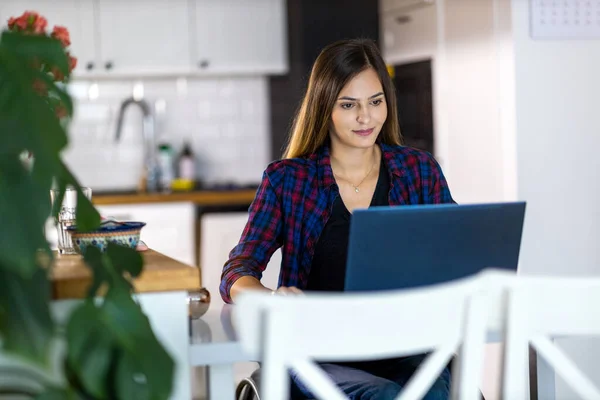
<point x="377" y="380"/>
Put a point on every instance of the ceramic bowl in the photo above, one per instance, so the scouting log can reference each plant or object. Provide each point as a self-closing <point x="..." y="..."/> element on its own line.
<point x="123" y="233"/>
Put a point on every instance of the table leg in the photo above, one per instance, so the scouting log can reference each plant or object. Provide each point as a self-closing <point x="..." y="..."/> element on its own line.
<point x="220" y="382"/>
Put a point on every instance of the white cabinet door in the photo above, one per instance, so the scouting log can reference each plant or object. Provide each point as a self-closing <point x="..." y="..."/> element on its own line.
<point x="170" y="227"/>
<point x="76" y="15"/>
<point x="144" y="37"/>
<point x="240" y="36"/>
<point x="219" y="233"/>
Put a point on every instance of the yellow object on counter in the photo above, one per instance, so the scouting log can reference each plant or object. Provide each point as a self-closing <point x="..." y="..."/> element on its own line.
<point x="391" y="71"/>
<point x="182" y="184"/>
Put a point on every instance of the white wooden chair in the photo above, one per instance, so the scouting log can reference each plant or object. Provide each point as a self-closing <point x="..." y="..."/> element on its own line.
<point x="540" y="308"/>
<point x="292" y="331"/>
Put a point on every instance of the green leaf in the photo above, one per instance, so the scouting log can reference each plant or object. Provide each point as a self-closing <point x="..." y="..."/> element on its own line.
<point x="23" y="211"/>
<point x="125" y="318"/>
<point x="94" y="259"/>
<point x="26" y="119"/>
<point x="132" y="330"/>
<point x="125" y="259"/>
<point x="90" y="349"/>
<point x="56" y="92"/>
<point x="88" y="217"/>
<point x="46" y="50"/>
<point x="26" y="326"/>
<point x="59" y="394"/>
<point x="130" y="380"/>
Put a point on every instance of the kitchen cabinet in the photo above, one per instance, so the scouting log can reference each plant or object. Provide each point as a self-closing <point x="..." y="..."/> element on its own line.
<point x="219" y="233"/>
<point x="115" y="38"/>
<point x="143" y="38"/>
<point x="170" y="227"/>
<point x="76" y="15"/>
<point x="240" y="36"/>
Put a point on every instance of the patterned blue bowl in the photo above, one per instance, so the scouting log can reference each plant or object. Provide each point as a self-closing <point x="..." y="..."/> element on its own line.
<point x="122" y="233"/>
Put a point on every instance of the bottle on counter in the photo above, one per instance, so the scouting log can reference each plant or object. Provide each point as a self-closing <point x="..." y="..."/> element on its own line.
<point x="187" y="163"/>
<point x="165" y="163"/>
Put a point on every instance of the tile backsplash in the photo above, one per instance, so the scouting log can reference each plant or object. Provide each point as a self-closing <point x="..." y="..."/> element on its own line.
<point x="225" y="120"/>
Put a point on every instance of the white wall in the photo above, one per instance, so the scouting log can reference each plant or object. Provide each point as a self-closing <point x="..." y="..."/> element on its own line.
<point x="469" y="43"/>
<point x="558" y="136"/>
<point x="467" y="106"/>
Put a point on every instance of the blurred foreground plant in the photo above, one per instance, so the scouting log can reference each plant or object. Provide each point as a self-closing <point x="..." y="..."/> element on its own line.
<point x="105" y="348"/>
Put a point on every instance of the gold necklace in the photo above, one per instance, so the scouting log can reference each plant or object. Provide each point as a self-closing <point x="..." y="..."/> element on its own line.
<point x="356" y="189"/>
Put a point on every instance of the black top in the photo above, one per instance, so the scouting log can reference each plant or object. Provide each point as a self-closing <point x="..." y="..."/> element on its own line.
<point x="328" y="269"/>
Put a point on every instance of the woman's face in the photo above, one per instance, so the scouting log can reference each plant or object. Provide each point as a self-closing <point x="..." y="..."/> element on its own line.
<point x="359" y="112"/>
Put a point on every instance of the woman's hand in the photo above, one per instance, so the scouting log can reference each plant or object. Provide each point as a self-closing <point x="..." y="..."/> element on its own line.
<point x="285" y="290"/>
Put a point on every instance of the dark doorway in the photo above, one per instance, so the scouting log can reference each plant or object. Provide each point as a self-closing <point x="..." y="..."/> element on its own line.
<point x="415" y="104"/>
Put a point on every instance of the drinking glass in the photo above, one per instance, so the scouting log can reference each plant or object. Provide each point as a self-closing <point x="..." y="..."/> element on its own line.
<point x="66" y="216"/>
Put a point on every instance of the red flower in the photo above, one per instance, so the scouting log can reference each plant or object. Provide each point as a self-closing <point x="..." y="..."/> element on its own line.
<point x="21" y="23"/>
<point x="30" y="22"/>
<point x="61" y="33"/>
<point x="61" y="111"/>
<point x="40" y="87"/>
<point x="39" y="24"/>
<point x="58" y="75"/>
<point x="72" y="62"/>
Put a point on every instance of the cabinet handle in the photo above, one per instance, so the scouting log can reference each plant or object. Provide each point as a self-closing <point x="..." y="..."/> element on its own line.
<point x="108" y="65"/>
<point x="403" y="19"/>
<point x="203" y="64"/>
<point x="89" y="66"/>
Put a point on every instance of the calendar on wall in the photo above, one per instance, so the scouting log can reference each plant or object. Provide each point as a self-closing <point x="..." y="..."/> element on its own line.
<point x="565" y="19"/>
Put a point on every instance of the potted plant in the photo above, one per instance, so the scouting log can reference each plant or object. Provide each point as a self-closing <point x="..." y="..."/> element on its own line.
<point x="106" y="348"/>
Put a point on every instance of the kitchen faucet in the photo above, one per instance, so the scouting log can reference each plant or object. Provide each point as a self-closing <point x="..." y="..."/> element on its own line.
<point x="151" y="170"/>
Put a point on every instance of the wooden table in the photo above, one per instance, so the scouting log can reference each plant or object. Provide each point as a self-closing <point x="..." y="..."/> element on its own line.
<point x="162" y="292"/>
<point x="71" y="277"/>
<point x="199" y="197"/>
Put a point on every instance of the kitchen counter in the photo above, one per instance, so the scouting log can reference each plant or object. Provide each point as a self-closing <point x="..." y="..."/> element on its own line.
<point x="71" y="277"/>
<point x="199" y="197"/>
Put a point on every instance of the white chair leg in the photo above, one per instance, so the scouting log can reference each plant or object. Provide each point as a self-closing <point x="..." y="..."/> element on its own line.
<point x="515" y="371"/>
<point x="566" y="368"/>
<point x="468" y="365"/>
<point x="274" y="368"/>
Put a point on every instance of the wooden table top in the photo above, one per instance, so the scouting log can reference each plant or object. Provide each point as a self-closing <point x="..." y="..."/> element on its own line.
<point x="202" y="198"/>
<point x="71" y="277"/>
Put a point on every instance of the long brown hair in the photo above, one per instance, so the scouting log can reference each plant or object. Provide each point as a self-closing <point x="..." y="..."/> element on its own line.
<point x="335" y="66"/>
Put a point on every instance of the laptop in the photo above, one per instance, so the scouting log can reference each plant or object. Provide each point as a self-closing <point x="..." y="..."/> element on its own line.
<point x="419" y="245"/>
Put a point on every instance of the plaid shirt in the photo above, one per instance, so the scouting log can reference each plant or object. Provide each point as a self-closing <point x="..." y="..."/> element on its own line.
<point x="294" y="201"/>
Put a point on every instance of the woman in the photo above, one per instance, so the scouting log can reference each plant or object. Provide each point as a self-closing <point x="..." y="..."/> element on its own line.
<point x="344" y="153"/>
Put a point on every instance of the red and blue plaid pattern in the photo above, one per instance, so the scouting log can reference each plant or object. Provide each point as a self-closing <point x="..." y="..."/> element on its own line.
<point x="293" y="203"/>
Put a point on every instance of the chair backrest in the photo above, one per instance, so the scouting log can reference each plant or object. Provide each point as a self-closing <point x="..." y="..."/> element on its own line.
<point x="542" y="308"/>
<point x="292" y="331"/>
